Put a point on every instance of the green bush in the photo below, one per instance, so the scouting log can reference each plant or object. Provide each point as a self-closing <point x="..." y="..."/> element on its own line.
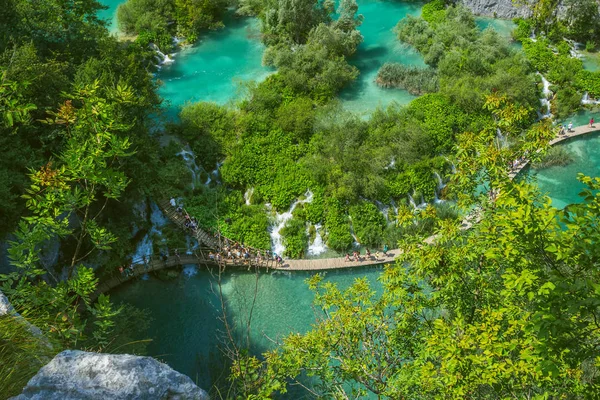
<point x="416" y="81"/>
<point x="433" y="11"/>
<point x="588" y="81"/>
<point x="295" y="238"/>
<point x="368" y="223"/>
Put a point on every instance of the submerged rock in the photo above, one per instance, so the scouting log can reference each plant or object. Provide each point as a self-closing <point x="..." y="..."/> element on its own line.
<point x="80" y="375"/>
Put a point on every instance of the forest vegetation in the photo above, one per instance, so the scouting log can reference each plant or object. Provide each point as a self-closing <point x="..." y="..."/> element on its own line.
<point x="507" y="309"/>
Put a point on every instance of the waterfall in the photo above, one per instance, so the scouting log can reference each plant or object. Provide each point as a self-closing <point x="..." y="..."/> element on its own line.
<point x="281" y="220"/>
<point x="215" y="174"/>
<point x="412" y="202"/>
<point x="502" y="141"/>
<point x="190" y="160"/>
<point x="585" y="100"/>
<point x="317" y="246"/>
<point x="161" y="57"/>
<point x="574" y="48"/>
<point x="145" y="246"/>
<point x="546" y="93"/>
<point x="248" y="195"/>
<point x="440" y="186"/>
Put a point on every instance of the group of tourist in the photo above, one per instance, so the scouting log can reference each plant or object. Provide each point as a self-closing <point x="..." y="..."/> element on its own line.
<point x="368" y="256"/>
<point x="228" y="250"/>
<point x="238" y="252"/>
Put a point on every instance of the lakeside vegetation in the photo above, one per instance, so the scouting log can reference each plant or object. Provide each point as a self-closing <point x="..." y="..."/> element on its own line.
<point x="512" y="300"/>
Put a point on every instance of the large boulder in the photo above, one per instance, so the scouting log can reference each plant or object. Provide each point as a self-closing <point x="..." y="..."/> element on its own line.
<point x="497" y="8"/>
<point x="81" y="375"/>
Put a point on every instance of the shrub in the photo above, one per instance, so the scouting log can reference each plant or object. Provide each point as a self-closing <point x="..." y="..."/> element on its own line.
<point x="416" y="80"/>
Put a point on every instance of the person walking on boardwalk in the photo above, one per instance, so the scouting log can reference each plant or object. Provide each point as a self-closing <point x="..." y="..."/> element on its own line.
<point x="385" y="249"/>
<point x="570" y="127"/>
<point x="368" y="253"/>
<point x="591" y="122"/>
<point x="347" y="259"/>
<point x="172" y="202"/>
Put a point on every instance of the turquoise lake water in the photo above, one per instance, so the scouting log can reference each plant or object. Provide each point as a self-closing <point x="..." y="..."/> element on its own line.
<point x="380" y="45"/>
<point x="186" y="327"/>
<point x="561" y="183"/>
<point x="110" y="14"/>
<point x="214" y="68"/>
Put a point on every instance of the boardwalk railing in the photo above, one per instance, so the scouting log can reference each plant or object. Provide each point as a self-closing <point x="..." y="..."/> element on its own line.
<point x="141" y="266"/>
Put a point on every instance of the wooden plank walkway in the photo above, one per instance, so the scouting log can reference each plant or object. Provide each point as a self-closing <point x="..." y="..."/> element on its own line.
<point x="577" y="131"/>
<point x="201" y="256"/>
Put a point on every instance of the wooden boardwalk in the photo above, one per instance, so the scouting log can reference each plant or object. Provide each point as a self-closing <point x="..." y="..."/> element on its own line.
<point x="577" y="131"/>
<point x="202" y="257"/>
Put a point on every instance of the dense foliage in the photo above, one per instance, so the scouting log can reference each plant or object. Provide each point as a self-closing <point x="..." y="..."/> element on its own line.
<point x="159" y="20"/>
<point x="513" y="299"/>
<point x="415" y="80"/>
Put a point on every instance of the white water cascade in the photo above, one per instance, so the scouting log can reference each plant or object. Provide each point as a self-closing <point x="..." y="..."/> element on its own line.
<point x="158" y="220"/>
<point x="546" y="93"/>
<point x="280" y="221"/>
<point x="574" y="48"/>
<point x="190" y="160"/>
<point x="412" y="202"/>
<point x="248" y="196"/>
<point x="586" y="100"/>
<point x="161" y="57"/>
<point x="438" y="190"/>
<point x="317" y="246"/>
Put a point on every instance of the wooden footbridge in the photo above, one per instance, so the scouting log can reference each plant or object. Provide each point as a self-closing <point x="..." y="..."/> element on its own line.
<point x="213" y="251"/>
<point x="577" y="131"/>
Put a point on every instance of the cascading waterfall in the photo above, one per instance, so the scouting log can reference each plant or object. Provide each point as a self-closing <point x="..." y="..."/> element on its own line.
<point x="502" y="141"/>
<point x="145" y="246"/>
<point x="248" y="196"/>
<point x="411" y="201"/>
<point x="317" y="246"/>
<point x="438" y="190"/>
<point x="574" y="48"/>
<point x="546" y="93"/>
<point x="190" y="160"/>
<point x="586" y="100"/>
<point x="161" y="57"/>
<point x="280" y="221"/>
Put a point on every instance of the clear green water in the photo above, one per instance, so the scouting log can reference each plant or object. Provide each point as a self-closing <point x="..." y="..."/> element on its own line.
<point x="186" y="311"/>
<point x="380" y="45"/>
<point x="503" y="26"/>
<point x="591" y="61"/>
<point x="110" y="14"/>
<point x="561" y="183"/>
<point x="214" y="68"/>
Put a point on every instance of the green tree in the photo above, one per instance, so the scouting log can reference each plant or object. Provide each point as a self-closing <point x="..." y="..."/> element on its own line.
<point x="65" y="200"/>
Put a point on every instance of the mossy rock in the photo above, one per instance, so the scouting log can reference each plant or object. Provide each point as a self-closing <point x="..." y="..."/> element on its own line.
<point x="167" y="274"/>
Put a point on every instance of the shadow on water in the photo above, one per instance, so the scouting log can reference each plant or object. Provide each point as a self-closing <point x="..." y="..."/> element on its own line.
<point x="186" y="330"/>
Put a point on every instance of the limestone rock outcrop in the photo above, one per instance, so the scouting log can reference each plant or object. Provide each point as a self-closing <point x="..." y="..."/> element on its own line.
<point x="506" y="9"/>
<point x="81" y="375"/>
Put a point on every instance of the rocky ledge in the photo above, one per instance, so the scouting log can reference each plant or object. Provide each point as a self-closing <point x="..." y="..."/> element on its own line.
<point x="80" y="375"/>
<point x="506" y="9"/>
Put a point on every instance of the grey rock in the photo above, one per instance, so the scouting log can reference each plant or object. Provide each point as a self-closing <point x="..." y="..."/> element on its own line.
<point x="5" y="306"/>
<point x="78" y="375"/>
<point x="505" y="9"/>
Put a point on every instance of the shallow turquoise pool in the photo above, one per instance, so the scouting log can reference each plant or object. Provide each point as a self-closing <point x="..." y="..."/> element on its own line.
<point x="110" y="14"/>
<point x="561" y="183"/>
<point x="380" y="45"/>
<point x="215" y="67"/>
<point x="186" y="311"/>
